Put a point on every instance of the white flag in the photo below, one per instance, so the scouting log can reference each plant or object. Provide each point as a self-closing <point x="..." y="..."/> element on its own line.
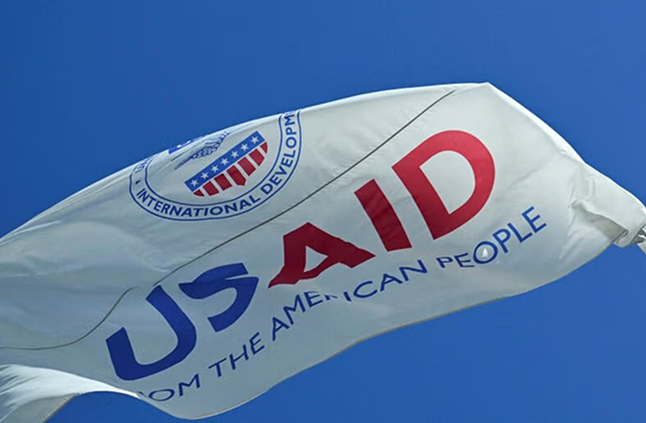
<point x="204" y="275"/>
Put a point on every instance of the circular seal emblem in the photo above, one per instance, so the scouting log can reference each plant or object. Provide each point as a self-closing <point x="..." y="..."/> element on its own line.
<point x="221" y="175"/>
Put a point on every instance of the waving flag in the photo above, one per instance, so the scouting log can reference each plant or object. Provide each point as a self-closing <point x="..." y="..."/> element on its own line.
<point x="204" y="275"/>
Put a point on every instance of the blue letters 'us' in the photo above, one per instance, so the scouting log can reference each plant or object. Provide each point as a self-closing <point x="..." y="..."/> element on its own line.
<point x="206" y="285"/>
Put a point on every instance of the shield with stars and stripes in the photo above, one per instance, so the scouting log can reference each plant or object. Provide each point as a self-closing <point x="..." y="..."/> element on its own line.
<point x="231" y="168"/>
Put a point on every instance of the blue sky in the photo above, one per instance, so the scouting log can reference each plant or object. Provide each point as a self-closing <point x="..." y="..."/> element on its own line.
<point x="87" y="88"/>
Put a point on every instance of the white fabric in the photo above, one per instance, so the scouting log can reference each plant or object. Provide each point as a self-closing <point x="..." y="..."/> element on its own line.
<point x="76" y="275"/>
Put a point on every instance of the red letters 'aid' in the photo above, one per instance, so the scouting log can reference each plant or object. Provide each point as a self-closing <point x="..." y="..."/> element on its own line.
<point x="384" y="218"/>
<point x="438" y="219"/>
<point x="337" y="251"/>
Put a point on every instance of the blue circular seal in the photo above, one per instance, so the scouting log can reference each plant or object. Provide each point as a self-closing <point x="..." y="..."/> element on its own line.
<point x="221" y="175"/>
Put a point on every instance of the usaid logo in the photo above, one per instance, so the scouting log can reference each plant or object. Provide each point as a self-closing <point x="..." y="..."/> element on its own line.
<point x="222" y="175"/>
<point x="379" y="216"/>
